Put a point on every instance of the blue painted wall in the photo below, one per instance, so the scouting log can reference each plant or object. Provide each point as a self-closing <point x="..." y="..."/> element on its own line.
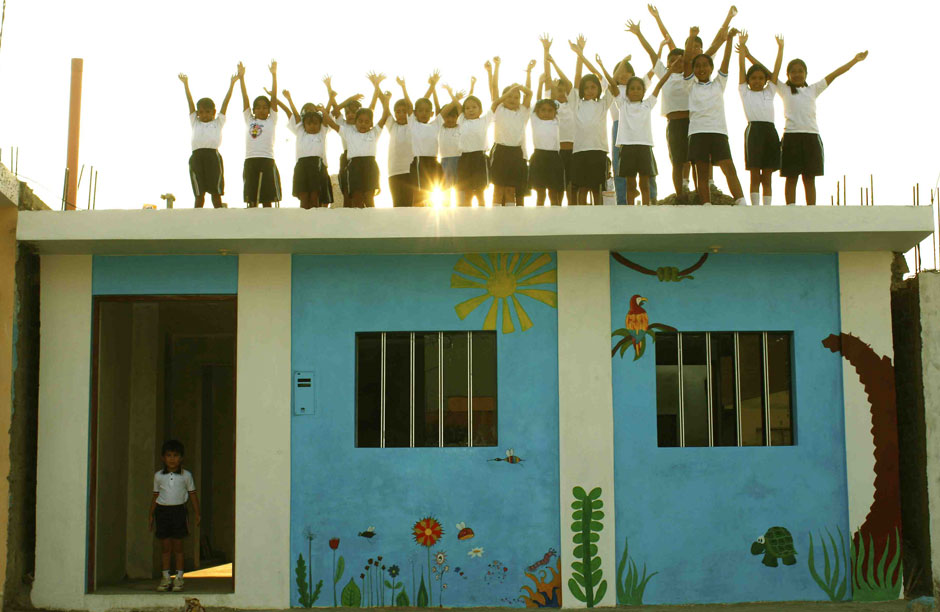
<point x="164" y="275"/>
<point x="691" y="514"/>
<point x="338" y="490"/>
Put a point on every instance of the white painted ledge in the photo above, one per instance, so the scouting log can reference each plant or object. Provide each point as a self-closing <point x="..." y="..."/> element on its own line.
<point x="773" y="229"/>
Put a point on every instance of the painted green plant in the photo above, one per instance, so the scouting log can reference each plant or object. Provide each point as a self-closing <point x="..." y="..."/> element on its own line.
<point x="876" y="584"/>
<point x="630" y="588"/>
<point x="338" y="567"/>
<point x="586" y="583"/>
<point x="833" y="582"/>
<point x="402" y="599"/>
<point x="307" y="599"/>
<point x="351" y="597"/>
<point x="422" y="599"/>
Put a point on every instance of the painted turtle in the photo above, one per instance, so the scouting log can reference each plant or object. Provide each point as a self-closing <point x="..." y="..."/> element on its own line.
<point x="777" y="543"/>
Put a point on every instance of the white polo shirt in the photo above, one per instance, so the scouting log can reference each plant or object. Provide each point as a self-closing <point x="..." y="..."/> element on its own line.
<point x="636" y="125"/>
<point x="259" y="139"/>
<point x="674" y="95"/>
<point x="758" y="105"/>
<point x="707" y="105"/>
<point x="545" y="133"/>
<point x="362" y="144"/>
<point x="473" y="132"/>
<point x="509" y="126"/>
<point x="173" y="489"/>
<point x="565" y="116"/>
<point x="659" y="69"/>
<point x="590" y="122"/>
<point x="309" y="145"/>
<point x="399" y="147"/>
<point x="207" y="134"/>
<point x="424" y="136"/>
<point x="449" y="141"/>
<point x="799" y="109"/>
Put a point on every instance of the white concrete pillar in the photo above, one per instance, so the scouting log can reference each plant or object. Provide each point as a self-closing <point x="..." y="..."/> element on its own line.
<point x="62" y="457"/>
<point x="929" y="283"/>
<point x="262" y="432"/>
<point x="585" y="405"/>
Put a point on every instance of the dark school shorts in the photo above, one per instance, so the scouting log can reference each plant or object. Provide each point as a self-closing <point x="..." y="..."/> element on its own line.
<point x="261" y="169"/>
<point x="547" y="170"/>
<point x="566" y="156"/>
<point x="343" y="178"/>
<point x="426" y="173"/>
<point x="449" y="171"/>
<point x="508" y="167"/>
<point x="709" y="147"/>
<point x="589" y="169"/>
<point x="362" y="175"/>
<point x="401" y="188"/>
<point x="677" y="137"/>
<point x="473" y="172"/>
<point x="761" y="146"/>
<point x="802" y="154"/>
<point x="311" y="176"/>
<point x="637" y="159"/>
<point x="206" y="172"/>
<point x="170" y="522"/>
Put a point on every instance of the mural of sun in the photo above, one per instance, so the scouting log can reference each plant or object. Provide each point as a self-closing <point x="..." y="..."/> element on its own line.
<point x="503" y="276"/>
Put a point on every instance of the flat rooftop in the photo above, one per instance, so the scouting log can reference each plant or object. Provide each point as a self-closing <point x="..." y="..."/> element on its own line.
<point x="692" y="229"/>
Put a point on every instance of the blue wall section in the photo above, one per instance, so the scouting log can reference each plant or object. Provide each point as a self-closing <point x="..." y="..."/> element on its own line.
<point x="164" y="275"/>
<point x="338" y="490"/>
<point x="691" y="514"/>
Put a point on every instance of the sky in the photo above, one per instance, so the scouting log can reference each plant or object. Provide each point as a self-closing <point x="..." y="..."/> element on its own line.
<point x="878" y="119"/>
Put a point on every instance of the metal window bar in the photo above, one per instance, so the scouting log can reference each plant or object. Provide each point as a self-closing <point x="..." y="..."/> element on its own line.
<point x="708" y="388"/>
<point x="440" y="389"/>
<point x="737" y="386"/>
<point x="469" y="389"/>
<point x="382" y="397"/>
<point x="411" y="395"/>
<point x="681" y="394"/>
<point x="768" y="440"/>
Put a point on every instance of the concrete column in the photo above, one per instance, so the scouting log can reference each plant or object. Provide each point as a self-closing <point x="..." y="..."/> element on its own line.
<point x="141" y="436"/>
<point x="262" y="432"/>
<point x="585" y="404"/>
<point x="930" y="357"/>
<point x="7" y="291"/>
<point x="62" y="458"/>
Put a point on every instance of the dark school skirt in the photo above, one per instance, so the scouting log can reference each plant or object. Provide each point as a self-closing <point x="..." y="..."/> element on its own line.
<point x="508" y="167"/>
<point x="637" y="159"/>
<point x="709" y="147"/>
<point x="761" y="146"/>
<point x="802" y="154"/>
<point x="402" y="189"/>
<point x="589" y="169"/>
<point x="362" y="175"/>
<point x="206" y="172"/>
<point x="547" y="170"/>
<point x="262" y="181"/>
<point x="170" y="522"/>
<point x="473" y="172"/>
<point x="566" y="155"/>
<point x="449" y="170"/>
<point x="677" y="137"/>
<point x="343" y="178"/>
<point x="311" y="176"/>
<point x="426" y="173"/>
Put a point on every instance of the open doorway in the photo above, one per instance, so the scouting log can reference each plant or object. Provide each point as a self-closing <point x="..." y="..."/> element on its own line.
<point x="163" y="368"/>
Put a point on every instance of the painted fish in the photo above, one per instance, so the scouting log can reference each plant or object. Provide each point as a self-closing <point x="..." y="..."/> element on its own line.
<point x="510" y="458"/>
<point x="543" y="561"/>
<point x="464" y="532"/>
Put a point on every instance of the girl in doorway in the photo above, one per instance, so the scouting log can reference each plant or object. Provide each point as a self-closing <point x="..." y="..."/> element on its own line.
<point x="172" y="488"/>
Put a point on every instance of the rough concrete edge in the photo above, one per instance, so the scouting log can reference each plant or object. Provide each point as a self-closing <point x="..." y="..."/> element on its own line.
<point x="16" y="193"/>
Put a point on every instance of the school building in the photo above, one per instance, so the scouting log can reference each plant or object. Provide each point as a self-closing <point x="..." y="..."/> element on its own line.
<point x="583" y="406"/>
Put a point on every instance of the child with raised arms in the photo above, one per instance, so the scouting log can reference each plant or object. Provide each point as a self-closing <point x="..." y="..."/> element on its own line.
<point x="400" y="154"/>
<point x="206" y="172"/>
<point x="425" y="169"/>
<point x="173" y="488"/>
<point x="473" y="166"/>
<point x="590" y="165"/>
<point x="508" y="169"/>
<point x="311" y="184"/>
<point x="345" y="113"/>
<point x="758" y="89"/>
<point x="708" y="130"/>
<point x="802" y="146"/>
<point x="560" y="92"/>
<point x="546" y="167"/>
<point x="260" y="175"/>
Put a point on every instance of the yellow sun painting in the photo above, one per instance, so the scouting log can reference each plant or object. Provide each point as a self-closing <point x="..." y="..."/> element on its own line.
<point x="503" y="276"/>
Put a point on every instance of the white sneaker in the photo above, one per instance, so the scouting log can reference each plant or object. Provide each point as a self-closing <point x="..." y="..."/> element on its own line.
<point x="164" y="584"/>
<point x="177" y="584"/>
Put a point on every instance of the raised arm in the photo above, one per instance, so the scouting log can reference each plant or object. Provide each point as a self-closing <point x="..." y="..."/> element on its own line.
<point x="273" y="69"/>
<point x="495" y="93"/>
<point x="330" y="94"/>
<point x="611" y="81"/>
<point x="279" y="103"/>
<point x="292" y="109"/>
<point x="241" y="82"/>
<point x="778" y="63"/>
<point x="527" y="90"/>
<point x="432" y="83"/>
<point x="488" y="66"/>
<point x="538" y="94"/>
<point x="228" y="94"/>
<point x="375" y="99"/>
<point x="742" y="53"/>
<point x="662" y="27"/>
<point x="404" y="92"/>
<point x="473" y="83"/>
<point x="634" y="28"/>
<point x="726" y="58"/>
<point x="843" y="69"/>
<point x="561" y="74"/>
<point x="687" y="57"/>
<point x="511" y="92"/>
<point x="579" y="66"/>
<point x="546" y="66"/>
<point x="722" y="33"/>
<point x="674" y="68"/>
<point x="386" y="110"/>
<point x="189" y="96"/>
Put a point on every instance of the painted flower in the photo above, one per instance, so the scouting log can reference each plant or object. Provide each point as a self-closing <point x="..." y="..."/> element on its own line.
<point x="363" y="576"/>
<point x="393" y="571"/>
<point x="475" y="552"/>
<point x="439" y="557"/>
<point x="427" y="531"/>
<point x="370" y="561"/>
<point x="379" y="558"/>
<point x="309" y="534"/>
<point x="334" y="543"/>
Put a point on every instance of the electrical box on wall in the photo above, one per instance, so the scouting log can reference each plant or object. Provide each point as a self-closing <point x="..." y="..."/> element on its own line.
<point x="305" y="393"/>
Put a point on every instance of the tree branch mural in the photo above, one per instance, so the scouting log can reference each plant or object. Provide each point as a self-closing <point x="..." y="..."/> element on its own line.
<point x="665" y="274"/>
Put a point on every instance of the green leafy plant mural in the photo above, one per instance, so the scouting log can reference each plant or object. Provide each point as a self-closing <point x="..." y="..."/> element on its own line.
<point x="833" y="582"/>
<point x="586" y="583"/>
<point x="402" y="599"/>
<point x="307" y="599"/>
<point x="351" y="597"/>
<point x="338" y="567"/>
<point x="630" y="588"/>
<point x="876" y="584"/>
<point x="422" y="600"/>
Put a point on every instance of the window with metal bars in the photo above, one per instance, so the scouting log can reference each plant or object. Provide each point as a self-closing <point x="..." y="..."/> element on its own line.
<point x="426" y="389"/>
<point x="724" y="389"/>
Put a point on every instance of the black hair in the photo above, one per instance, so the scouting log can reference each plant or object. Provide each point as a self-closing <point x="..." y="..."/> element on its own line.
<point x="624" y="64"/>
<point x="637" y="79"/>
<point x="698" y="39"/>
<point x="756" y="68"/>
<point x="303" y="109"/>
<point x="545" y="102"/>
<point x="363" y="112"/>
<point x="259" y="100"/>
<point x="312" y="115"/>
<point x="172" y="446"/>
<point x="711" y="62"/>
<point x="353" y="106"/>
<point x="472" y="99"/>
<point x="675" y="53"/>
<point x="590" y="78"/>
<point x="205" y="104"/>
<point x="403" y="102"/>
<point x="791" y="64"/>
<point x="424" y="101"/>
<point x="451" y="110"/>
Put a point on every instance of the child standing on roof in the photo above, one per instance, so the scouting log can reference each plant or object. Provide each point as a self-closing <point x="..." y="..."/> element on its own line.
<point x="173" y="488"/>
<point x="311" y="184"/>
<point x="262" y="181"/>
<point x="206" y="172"/>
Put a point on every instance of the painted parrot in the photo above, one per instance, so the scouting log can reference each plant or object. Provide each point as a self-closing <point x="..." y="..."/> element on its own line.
<point x="637" y="328"/>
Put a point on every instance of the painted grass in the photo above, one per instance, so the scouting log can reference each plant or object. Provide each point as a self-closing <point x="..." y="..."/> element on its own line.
<point x="832" y="571"/>
<point x="630" y="588"/>
<point x="879" y="583"/>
